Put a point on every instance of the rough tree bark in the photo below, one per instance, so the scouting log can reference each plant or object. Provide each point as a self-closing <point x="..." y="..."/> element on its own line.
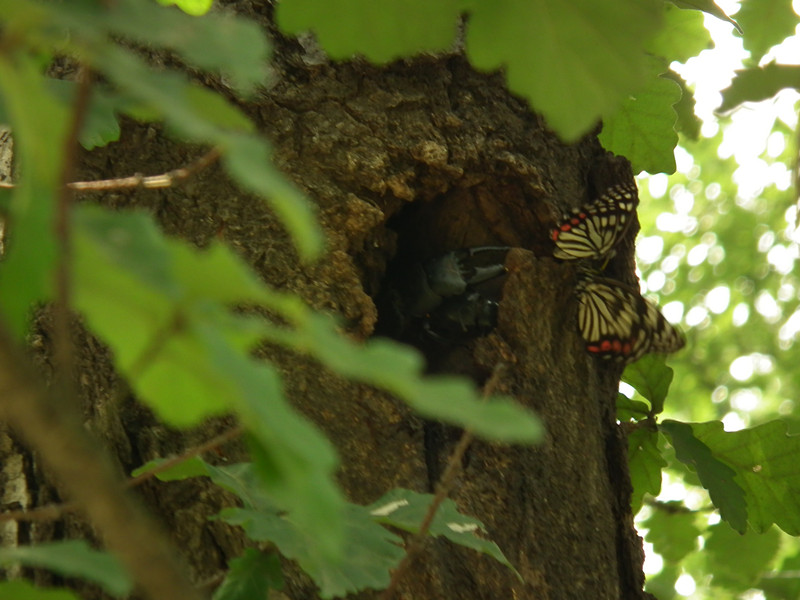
<point x="412" y="159"/>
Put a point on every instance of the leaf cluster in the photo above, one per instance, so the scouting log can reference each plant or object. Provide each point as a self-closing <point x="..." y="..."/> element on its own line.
<point x="185" y="349"/>
<point x="750" y="477"/>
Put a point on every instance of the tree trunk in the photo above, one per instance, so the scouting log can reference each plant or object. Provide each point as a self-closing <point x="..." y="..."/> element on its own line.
<point x="411" y="160"/>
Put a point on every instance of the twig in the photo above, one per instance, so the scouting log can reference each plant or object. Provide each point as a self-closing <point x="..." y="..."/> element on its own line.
<point x="443" y="488"/>
<point x="51" y="512"/>
<point x="154" y="346"/>
<point x="140" y="181"/>
<point x="191" y="453"/>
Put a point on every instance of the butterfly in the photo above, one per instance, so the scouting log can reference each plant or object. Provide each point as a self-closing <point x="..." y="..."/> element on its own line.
<point x="617" y="323"/>
<point x="593" y="230"/>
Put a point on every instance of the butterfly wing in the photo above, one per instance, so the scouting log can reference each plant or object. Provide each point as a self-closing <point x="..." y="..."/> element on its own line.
<point x="617" y="323"/>
<point x="592" y="231"/>
<point x="665" y="338"/>
<point x="609" y="321"/>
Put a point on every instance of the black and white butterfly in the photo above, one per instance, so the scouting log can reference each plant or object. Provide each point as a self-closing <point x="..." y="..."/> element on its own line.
<point x="593" y="230"/>
<point x="617" y="323"/>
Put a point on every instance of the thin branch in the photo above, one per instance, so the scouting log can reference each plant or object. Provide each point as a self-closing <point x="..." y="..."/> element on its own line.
<point x="86" y="476"/>
<point x="155" y="345"/>
<point x="163" y="180"/>
<point x="649" y="423"/>
<point x="443" y="488"/>
<point x="211" y="444"/>
<point x="51" y="512"/>
<point x="152" y="182"/>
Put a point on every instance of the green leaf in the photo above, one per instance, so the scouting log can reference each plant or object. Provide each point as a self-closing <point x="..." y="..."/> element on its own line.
<point x="22" y="590"/>
<point x="452" y="400"/>
<point x="688" y="124"/>
<point x="645" y="463"/>
<point x="163" y="309"/>
<point x="716" y="476"/>
<point x="39" y="123"/>
<point x="651" y="377"/>
<point x="759" y="83"/>
<point x="673" y="531"/>
<point x="302" y="504"/>
<point x="143" y="295"/>
<point x="201" y="115"/>
<point x="190" y="7"/>
<point x="631" y="410"/>
<point x="398" y="369"/>
<point x="251" y="576"/>
<point x="575" y="61"/>
<point x="765" y="460"/>
<point x="707" y="6"/>
<point x="124" y="288"/>
<point x="196" y="113"/>
<point x="130" y="242"/>
<point x="643" y="129"/>
<point x="766" y="23"/>
<point x="365" y="563"/>
<point x="100" y="125"/>
<point x="381" y="30"/>
<point x="406" y="509"/>
<point x="220" y="42"/>
<point x="71" y="558"/>
<point x="242" y="480"/>
<point x="295" y="462"/>
<point x="739" y="561"/>
<point x="682" y="36"/>
<point x="191" y="467"/>
<point x="781" y="587"/>
<point x="230" y="280"/>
